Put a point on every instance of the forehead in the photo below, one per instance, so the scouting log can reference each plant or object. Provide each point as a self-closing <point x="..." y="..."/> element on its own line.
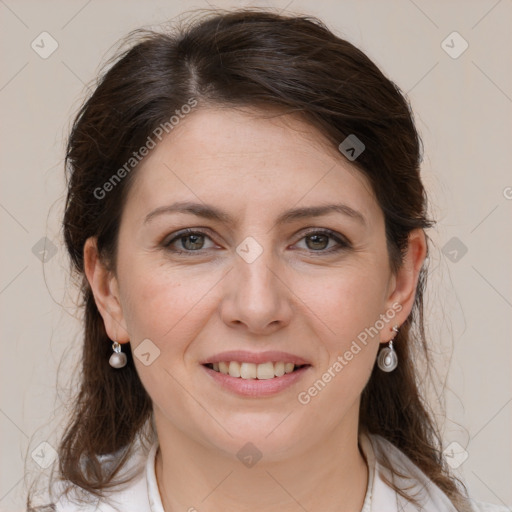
<point x="236" y="159"/>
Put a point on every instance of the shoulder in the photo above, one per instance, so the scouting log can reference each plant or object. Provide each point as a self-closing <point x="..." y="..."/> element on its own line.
<point x="479" y="506"/>
<point x="71" y="498"/>
<point x="134" y="494"/>
<point x="76" y="500"/>
<point x="436" y="499"/>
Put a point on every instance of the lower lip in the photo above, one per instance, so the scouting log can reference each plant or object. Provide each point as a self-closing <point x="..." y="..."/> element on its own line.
<point x="256" y="387"/>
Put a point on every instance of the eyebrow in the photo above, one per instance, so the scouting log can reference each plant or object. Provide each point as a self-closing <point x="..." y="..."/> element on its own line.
<point x="211" y="212"/>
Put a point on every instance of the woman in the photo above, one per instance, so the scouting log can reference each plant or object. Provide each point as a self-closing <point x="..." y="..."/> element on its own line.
<point x="246" y="212"/>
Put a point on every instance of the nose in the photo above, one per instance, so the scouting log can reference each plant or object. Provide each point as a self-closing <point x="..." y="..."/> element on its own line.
<point x="256" y="297"/>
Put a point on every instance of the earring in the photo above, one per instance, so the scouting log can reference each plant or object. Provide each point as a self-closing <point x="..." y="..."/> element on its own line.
<point x="117" y="359"/>
<point x="388" y="360"/>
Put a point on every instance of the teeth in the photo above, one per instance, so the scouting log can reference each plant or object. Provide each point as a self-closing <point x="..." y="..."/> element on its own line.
<point x="279" y="369"/>
<point x="261" y="371"/>
<point x="265" y="371"/>
<point x="234" y="369"/>
<point x="248" y="371"/>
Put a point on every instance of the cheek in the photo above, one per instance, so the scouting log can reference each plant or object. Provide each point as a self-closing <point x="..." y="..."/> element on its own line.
<point x="159" y="302"/>
<point x="347" y="301"/>
<point x="167" y="307"/>
<point x="348" y="305"/>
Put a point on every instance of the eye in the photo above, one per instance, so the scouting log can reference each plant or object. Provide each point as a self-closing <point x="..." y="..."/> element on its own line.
<point x="188" y="241"/>
<point x="319" y="241"/>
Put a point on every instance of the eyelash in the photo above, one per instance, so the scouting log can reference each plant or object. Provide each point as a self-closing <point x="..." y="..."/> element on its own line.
<point x="343" y="243"/>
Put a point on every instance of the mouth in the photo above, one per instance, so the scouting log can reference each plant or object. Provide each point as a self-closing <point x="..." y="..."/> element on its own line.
<point x="252" y="374"/>
<point x="255" y="380"/>
<point x="252" y="371"/>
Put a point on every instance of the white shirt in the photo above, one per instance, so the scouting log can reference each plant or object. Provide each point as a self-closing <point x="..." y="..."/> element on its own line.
<point x="142" y="493"/>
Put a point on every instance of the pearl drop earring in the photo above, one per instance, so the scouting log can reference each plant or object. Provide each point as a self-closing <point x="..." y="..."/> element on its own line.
<point x="387" y="360"/>
<point x="117" y="359"/>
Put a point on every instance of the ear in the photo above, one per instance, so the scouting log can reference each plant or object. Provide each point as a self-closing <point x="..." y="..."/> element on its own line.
<point x="404" y="283"/>
<point x="106" y="292"/>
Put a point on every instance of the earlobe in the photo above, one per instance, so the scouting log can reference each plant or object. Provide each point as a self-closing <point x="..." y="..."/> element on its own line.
<point x="106" y="293"/>
<point x="405" y="282"/>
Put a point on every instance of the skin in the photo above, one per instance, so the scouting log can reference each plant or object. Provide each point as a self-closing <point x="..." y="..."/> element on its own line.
<point x="295" y="297"/>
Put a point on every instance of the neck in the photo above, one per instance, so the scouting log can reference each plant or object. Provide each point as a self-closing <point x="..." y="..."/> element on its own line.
<point x="330" y="476"/>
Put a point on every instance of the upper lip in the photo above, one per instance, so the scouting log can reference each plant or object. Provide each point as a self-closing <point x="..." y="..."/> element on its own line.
<point x="243" y="356"/>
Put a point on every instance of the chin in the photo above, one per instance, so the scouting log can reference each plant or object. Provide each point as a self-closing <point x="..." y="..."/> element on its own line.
<point x="268" y="436"/>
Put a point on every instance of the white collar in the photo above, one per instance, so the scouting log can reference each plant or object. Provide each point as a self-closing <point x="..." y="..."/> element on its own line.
<point x="155" y="502"/>
<point x="415" y="482"/>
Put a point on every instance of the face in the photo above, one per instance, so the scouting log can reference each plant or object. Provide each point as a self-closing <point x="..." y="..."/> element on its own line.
<point x="260" y="274"/>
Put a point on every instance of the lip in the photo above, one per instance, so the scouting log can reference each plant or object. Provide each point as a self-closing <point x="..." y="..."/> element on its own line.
<point x="243" y="356"/>
<point x="255" y="388"/>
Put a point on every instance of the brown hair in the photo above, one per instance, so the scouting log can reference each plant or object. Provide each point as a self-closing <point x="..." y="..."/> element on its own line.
<point x="237" y="59"/>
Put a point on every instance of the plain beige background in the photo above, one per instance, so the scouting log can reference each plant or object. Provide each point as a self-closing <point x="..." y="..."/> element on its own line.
<point x="463" y="107"/>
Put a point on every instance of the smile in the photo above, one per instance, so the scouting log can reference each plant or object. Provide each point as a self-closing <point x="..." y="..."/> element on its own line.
<point x="262" y="371"/>
<point x="252" y="380"/>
